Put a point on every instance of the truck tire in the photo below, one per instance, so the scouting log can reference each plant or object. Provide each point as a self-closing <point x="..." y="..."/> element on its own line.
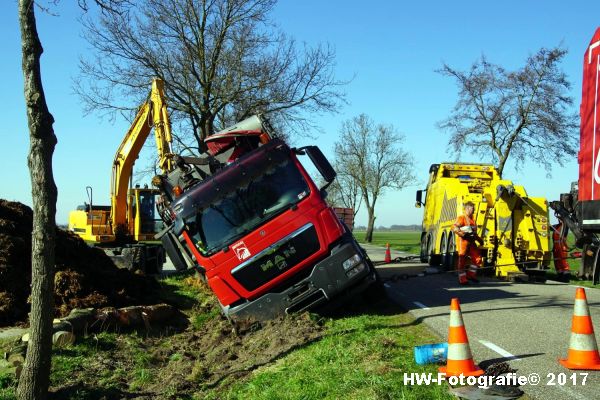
<point x="443" y="250"/>
<point x="423" y="253"/>
<point x="138" y="259"/>
<point x="449" y="262"/>
<point x="376" y="290"/>
<point x="433" y="260"/>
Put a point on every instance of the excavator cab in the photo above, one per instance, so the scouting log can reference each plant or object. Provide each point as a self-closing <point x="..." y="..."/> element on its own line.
<point x="142" y="205"/>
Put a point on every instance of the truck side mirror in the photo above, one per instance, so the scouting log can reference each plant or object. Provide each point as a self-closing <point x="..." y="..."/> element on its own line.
<point x="420" y="201"/>
<point x="321" y="163"/>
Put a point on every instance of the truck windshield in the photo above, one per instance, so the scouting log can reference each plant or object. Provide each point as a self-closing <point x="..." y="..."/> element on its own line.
<point x="243" y="208"/>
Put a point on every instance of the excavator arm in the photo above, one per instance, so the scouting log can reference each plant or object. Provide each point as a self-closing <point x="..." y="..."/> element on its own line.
<point x="152" y="114"/>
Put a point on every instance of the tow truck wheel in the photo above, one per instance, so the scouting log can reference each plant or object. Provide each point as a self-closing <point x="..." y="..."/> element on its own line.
<point x="444" y="250"/>
<point x="423" y="254"/>
<point x="432" y="259"/>
<point x="449" y="262"/>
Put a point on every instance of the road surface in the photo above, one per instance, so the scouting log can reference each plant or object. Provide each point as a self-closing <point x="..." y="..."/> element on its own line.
<point x="527" y="325"/>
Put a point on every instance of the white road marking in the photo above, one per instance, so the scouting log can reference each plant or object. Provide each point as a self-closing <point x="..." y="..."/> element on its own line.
<point x="387" y="285"/>
<point x="499" y="350"/>
<point x="421" y="305"/>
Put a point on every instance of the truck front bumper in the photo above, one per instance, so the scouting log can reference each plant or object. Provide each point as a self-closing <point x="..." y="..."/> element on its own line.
<point x="328" y="279"/>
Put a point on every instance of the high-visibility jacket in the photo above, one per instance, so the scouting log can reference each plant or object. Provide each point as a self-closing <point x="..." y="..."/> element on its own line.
<point x="464" y="221"/>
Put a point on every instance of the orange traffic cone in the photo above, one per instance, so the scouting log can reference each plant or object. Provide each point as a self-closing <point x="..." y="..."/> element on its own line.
<point x="583" y="349"/>
<point x="459" y="359"/>
<point x="388" y="255"/>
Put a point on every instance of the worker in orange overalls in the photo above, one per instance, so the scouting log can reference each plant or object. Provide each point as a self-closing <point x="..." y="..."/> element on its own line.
<point x="466" y="229"/>
<point x="560" y="251"/>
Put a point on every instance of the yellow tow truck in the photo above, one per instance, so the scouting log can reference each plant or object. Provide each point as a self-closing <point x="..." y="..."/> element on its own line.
<point x="513" y="225"/>
<point x="122" y="228"/>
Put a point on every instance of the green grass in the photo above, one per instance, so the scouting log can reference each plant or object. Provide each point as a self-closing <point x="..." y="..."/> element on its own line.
<point x="361" y="357"/>
<point x="75" y="358"/>
<point x="8" y="386"/>
<point x="181" y="290"/>
<point x="408" y="241"/>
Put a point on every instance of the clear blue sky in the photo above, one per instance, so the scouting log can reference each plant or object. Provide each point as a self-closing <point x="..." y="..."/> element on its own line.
<point x="390" y="48"/>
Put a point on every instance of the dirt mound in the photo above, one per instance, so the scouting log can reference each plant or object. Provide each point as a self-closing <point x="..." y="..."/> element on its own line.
<point x="205" y="356"/>
<point x="85" y="276"/>
<point x="219" y="352"/>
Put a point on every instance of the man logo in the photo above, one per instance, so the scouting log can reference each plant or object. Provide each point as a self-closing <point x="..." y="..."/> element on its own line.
<point x="241" y="251"/>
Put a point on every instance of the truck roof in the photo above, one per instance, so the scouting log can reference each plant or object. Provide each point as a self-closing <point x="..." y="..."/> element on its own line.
<point x="458" y="164"/>
<point x="458" y="167"/>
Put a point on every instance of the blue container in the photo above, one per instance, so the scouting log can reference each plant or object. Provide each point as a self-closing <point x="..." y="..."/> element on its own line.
<point x="431" y="353"/>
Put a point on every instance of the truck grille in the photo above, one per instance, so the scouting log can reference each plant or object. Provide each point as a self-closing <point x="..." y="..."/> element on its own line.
<point x="277" y="258"/>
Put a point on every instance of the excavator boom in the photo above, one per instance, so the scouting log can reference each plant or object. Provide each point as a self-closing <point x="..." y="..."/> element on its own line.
<point x="152" y="114"/>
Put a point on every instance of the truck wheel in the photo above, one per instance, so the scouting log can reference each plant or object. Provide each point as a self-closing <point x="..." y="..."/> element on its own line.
<point x="432" y="259"/>
<point x="138" y="259"/>
<point x="449" y="262"/>
<point x="423" y="254"/>
<point x="376" y="290"/>
<point x="443" y="250"/>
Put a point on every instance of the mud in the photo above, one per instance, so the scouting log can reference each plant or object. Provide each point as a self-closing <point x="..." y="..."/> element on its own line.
<point x="85" y="276"/>
<point x="203" y="357"/>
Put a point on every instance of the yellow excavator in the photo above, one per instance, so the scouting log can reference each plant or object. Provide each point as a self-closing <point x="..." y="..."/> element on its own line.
<point x="121" y="228"/>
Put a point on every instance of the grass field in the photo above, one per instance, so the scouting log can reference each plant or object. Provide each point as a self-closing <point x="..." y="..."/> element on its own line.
<point x="408" y="241"/>
<point x="362" y="353"/>
<point x="361" y="357"/>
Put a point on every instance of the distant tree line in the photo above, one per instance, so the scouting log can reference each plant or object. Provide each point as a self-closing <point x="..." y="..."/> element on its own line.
<point x="392" y="228"/>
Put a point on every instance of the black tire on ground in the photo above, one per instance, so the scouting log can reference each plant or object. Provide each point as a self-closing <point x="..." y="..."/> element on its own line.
<point x="154" y="265"/>
<point x="423" y="253"/>
<point x="451" y="255"/>
<point x="376" y="290"/>
<point x="443" y="250"/>
<point x="139" y="259"/>
<point x="433" y="260"/>
<point x="536" y="276"/>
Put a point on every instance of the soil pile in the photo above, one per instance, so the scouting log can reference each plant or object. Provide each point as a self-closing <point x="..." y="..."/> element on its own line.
<point x="85" y="276"/>
<point x="218" y="351"/>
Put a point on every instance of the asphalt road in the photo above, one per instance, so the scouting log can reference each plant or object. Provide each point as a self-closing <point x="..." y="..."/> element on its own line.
<point x="527" y="325"/>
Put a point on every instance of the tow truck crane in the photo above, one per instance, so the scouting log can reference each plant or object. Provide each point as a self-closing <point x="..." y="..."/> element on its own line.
<point x="122" y="228"/>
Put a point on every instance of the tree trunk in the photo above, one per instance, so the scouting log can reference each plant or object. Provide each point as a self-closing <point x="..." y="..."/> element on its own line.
<point x="501" y="164"/>
<point x="371" y="224"/>
<point x="35" y="378"/>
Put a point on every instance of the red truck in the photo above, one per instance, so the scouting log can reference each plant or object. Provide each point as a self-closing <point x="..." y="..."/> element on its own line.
<point x="579" y="210"/>
<point x="250" y="218"/>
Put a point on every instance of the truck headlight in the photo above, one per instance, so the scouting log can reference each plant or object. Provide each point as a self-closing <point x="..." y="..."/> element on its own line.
<point x="351" y="262"/>
<point x="360" y="267"/>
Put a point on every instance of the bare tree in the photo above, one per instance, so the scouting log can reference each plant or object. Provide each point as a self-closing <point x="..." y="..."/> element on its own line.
<point x="221" y="60"/>
<point x="371" y="155"/>
<point x="35" y="378"/>
<point x="524" y="114"/>
<point x="344" y="191"/>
